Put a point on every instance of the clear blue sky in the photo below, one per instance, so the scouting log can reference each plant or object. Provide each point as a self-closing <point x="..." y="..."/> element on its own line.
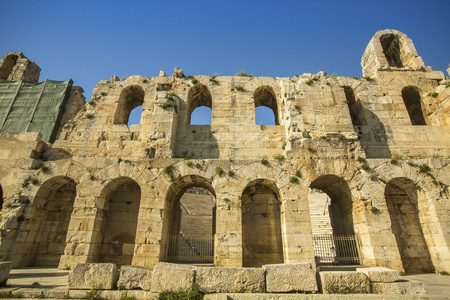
<point x="89" y="41"/>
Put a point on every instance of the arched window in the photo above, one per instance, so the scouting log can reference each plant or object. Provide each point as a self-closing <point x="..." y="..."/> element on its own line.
<point x="402" y="201"/>
<point x="54" y="204"/>
<point x="8" y="64"/>
<point x="354" y="106"/>
<point x="200" y="101"/>
<point x="413" y="103"/>
<point x="330" y="196"/>
<point x="261" y="224"/>
<point x="391" y="48"/>
<point x="189" y="221"/>
<point x="265" y="98"/>
<point x="1" y="197"/>
<point x="118" y="230"/>
<point x="130" y="98"/>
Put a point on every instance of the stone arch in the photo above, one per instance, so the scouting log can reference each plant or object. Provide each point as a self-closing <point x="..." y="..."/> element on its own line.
<point x="391" y="49"/>
<point x="265" y="96"/>
<point x="354" y="106"/>
<point x="9" y="61"/>
<point x="173" y="209"/>
<point x="402" y="203"/>
<point x="52" y="210"/>
<point x="262" y="239"/>
<point x="198" y="96"/>
<point x="130" y="98"/>
<point x="1" y="197"/>
<point x="341" y="202"/>
<point x="116" y="224"/>
<point x="411" y="98"/>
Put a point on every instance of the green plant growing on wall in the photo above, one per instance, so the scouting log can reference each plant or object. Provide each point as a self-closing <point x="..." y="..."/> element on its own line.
<point x="279" y="157"/>
<point x="361" y="159"/>
<point x="219" y="171"/>
<point x="165" y="105"/>
<point x="239" y="88"/>
<point x="374" y="210"/>
<point x="29" y="180"/>
<point x="309" y="81"/>
<point x="424" y="168"/>
<point x="198" y="166"/>
<point x="103" y="94"/>
<point x="293" y="179"/>
<point x="168" y="172"/>
<point x="365" y="167"/>
<point x="264" y="161"/>
<point x="283" y="146"/>
<point x="43" y="168"/>
<point x="434" y="95"/>
<point x="231" y="173"/>
<point x="189" y="163"/>
<point x="242" y="73"/>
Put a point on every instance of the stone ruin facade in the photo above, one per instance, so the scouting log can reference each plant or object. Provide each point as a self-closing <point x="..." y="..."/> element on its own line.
<point x="365" y="157"/>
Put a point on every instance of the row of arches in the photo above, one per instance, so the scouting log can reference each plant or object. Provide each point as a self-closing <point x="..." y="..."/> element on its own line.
<point x="199" y="106"/>
<point x="262" y="219"/>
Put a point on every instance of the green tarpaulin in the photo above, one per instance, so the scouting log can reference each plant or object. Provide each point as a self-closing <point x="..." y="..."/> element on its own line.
<point x="33" y="107"/>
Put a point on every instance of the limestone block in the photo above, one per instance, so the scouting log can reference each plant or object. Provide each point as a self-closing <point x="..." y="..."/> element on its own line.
<point x="338" y="282"/>
<point x="379" y="274"/>
<point x="133" y="277"/>
<point x="178" y="72"/>
<point x="85" y="276"/>
<point x="5" y="268"/>
<point x="171" y="277"/>
<point x="402" y="287"/>
<point x="282" y="278"/>
<point x="226" y="280"/>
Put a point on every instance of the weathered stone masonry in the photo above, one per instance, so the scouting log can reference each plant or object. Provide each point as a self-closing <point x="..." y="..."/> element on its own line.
<point x="378" y="147"/>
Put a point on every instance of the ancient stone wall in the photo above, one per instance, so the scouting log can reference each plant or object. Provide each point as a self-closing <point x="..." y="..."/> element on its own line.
<point x="378" y="147"/>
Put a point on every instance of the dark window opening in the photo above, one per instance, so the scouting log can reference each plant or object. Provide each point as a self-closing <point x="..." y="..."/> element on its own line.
<point x="7" y="67"/>
<point x="354" y="106"/>
<point x="413" y="103"/>
<point x="391" y="49"/>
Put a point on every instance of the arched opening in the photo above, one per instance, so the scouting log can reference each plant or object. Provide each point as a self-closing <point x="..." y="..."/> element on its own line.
<point x="262" y="241"/>
<point x="130" y="98"/>
<point x="265" y="97"/>
<point x="8" y="64"/>
<point x="135" y="116"/>
<point x="189" y="221"/>
<point x="413" y="103"/>
<point x="54" y="205"/>
<point x="198" y="95"/>
<point x="354" y="106"/>
<point x="330" y="200"/>
<point x="1" y="197"/>
<point x="202" y="115"/>
<point x="117" y="234"/>
<point x="391" y="49"/>
<point x="402" y="203"/>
